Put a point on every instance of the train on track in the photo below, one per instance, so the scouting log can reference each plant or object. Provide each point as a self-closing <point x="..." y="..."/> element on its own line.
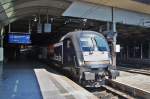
<point x="86" y="55"/>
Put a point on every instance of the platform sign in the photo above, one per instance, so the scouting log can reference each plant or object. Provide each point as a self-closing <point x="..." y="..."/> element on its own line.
<point x="117" y="48"/>
<point x="1" y="54"/>
<point x="19" y="38"/>
<point x="47" y="28"/>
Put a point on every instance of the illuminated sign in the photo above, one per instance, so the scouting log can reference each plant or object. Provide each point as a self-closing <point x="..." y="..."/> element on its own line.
<point x="19" y="38"/>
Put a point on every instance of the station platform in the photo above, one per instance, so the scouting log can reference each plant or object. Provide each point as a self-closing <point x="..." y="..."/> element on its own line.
<point x="19" y="81"/>
<point x="56" y="86"/>
<point x="136" y="84"/>
<point x="34" y="80"/>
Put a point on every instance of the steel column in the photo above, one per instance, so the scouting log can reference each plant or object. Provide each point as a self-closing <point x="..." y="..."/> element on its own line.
<point x="9" y="27"/>
<point x="29" y="27"/>
<point x="1" y="52"/>
<point x="114" y="39"/>
<point x="149" y="50"/>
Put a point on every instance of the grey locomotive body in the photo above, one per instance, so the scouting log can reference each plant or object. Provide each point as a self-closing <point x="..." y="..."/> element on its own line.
<point x="86" y="55"/>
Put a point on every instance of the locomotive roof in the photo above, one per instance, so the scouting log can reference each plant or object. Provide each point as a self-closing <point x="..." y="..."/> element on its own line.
<point x="75" y="33"/>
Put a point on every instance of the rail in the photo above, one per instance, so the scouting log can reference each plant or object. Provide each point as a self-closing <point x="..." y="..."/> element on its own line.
<point x="129" y="90"/>
<point x="133" y="70"/>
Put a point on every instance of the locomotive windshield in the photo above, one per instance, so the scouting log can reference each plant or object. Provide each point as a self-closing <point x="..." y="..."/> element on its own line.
<point x="93" y="42"/>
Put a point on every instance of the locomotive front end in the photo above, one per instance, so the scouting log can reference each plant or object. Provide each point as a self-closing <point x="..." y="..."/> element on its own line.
<point x="95" y="70"/>
<point x="96" y="60"/>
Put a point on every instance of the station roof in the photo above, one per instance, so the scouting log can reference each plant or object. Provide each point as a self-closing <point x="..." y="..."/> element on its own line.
<point x="11" y="10"/>
<point x="142" y="6"/>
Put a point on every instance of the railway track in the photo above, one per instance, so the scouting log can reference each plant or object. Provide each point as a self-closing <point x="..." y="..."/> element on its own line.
<point x="133" y="70"/>
<point x="107" y="92"/>
<point x="113" y="90"/>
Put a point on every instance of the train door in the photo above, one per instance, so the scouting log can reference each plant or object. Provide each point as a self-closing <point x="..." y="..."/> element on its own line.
<point x="68" y="53"/>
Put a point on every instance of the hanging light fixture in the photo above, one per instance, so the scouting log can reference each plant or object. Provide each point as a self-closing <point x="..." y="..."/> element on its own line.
<point x="84" y="20"/>
<point x="35" y="19"/>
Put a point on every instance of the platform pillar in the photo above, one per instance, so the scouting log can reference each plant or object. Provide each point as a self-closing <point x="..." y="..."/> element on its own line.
<point x="9" y="27"/>
<point x="29" y="27"/>
<point x="114" y="55"/>
<point x="1" y="70"/>
<point x="1" y="53"/>
<point x="114" y="40"/>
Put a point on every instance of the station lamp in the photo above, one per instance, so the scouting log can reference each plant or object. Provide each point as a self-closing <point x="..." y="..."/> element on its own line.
<point x="84" y="20"/>
<point x="35" y="19"/>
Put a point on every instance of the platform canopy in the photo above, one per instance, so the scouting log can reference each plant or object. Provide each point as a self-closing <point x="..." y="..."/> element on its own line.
<point x="131" y="12"/>
<point x="142" y="6"/>
<point x="11" y="10"/>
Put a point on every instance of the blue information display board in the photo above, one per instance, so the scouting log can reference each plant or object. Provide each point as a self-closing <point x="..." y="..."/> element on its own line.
<point x="19" y="38"/>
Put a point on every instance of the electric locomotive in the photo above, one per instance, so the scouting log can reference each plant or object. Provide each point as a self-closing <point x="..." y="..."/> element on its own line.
<point x="86" y="55"/>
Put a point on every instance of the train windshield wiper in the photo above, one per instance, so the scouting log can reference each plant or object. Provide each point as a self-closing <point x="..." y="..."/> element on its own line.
<point x="92" y="48"/>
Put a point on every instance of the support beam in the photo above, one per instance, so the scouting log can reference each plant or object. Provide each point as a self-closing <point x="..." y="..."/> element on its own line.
<point x="141" y="47"/>
<point x="29" y="26"/>
<point x="114" y="49"/>
<point x="9" y="26"/>
<point x="114" y="40"/>
<point x="1" y="53"/>
<point x="1" y="63"/>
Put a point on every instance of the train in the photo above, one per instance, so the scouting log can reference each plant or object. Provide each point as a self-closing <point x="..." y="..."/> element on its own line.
<point x="86" y="55"/>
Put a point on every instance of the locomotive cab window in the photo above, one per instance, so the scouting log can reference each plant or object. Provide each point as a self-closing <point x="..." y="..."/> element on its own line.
<point x="90" y="42"/>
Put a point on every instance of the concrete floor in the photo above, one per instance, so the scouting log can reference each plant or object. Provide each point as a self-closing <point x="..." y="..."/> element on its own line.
<point x="33" y="80"/>
<point x="57" y="86"/>
<point x="20" y="81"/>
<point x="134" y="80"/>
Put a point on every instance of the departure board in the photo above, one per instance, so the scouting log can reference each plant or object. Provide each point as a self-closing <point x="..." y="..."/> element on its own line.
<point x="19" y="38"/>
